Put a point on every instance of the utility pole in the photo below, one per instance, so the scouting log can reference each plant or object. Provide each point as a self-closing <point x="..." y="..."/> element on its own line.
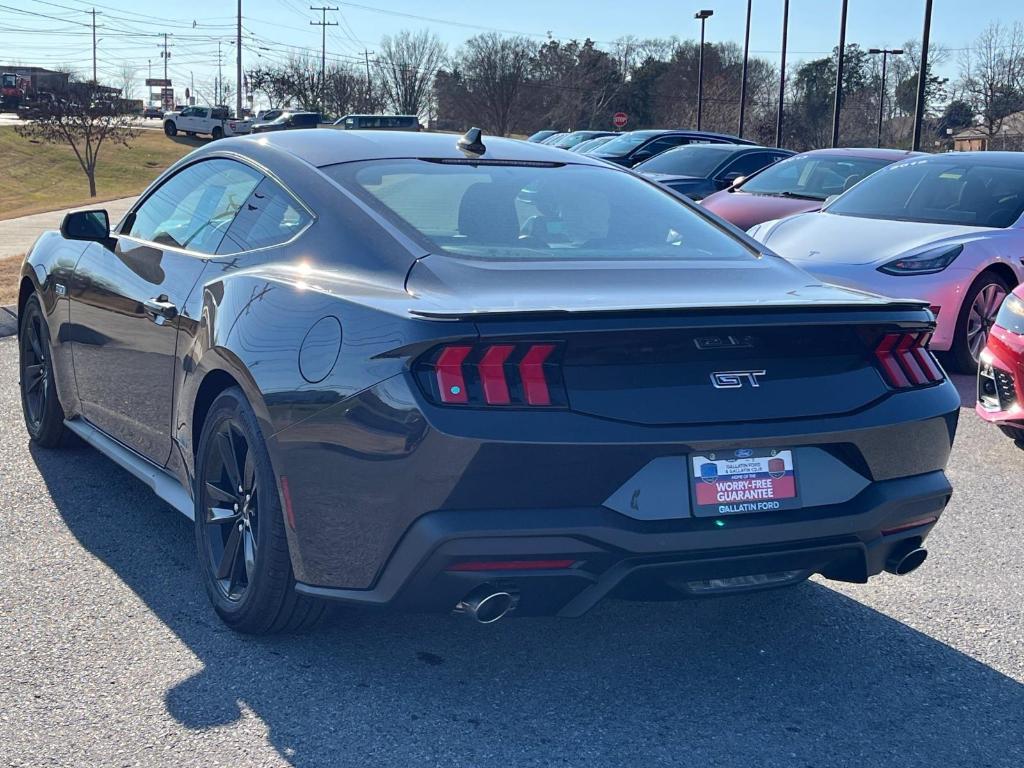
<point x="703" y="16"/>
<point x="220" y="77"/>
<point x="323" y="24"/>
<point x="839" y="76"/>
<point x="886" y="53"/>
<point x="782" y="74"/>
<point x="93" y="12"/>
<point x="369" y="86"/>
<point x="922" y="76"/>
<point x="165" y="54"/>
<point x="238" y="64"/>
<point x="743" y="77"/>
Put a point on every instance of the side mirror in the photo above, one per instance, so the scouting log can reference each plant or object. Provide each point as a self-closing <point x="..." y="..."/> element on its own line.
<point x="642" y="154"/>
<point x="86" y="225"/>
<point x="735" y="179"/>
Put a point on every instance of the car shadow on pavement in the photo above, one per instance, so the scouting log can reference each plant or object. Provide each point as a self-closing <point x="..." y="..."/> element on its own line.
<point x="799" y="677"/>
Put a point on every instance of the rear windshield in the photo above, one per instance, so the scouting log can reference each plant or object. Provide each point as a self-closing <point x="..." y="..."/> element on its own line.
<point x="543" y="212"/>
<point x="692" y="160"/>
<point x="939" y="192"/>
<point x="814" y="177"/>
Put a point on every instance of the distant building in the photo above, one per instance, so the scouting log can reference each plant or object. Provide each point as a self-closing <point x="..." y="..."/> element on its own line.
<point x="1009" y="136"/>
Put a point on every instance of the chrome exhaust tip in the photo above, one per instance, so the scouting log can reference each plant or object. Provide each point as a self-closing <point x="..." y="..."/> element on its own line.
<point x="906" y="560"/>
<point x="486" y="605"/>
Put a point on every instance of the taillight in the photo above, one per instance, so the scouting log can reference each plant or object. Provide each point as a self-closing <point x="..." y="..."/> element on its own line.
<point x="501" y="374"/>
<point x="905" y="361"/>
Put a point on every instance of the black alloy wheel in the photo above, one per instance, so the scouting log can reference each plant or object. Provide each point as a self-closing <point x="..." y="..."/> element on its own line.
<point x="240" y="532"/>
<point x="231" y="506"/>
<point x="44" y="415"/>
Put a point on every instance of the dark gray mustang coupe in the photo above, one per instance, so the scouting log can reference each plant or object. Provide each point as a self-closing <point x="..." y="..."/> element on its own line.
<point x="482" y="375"/>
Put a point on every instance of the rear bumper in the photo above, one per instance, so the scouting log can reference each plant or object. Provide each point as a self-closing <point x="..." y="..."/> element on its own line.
<point x="614" y="555"/>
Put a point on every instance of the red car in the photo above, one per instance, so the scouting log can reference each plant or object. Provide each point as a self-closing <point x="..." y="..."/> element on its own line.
<point x="798" y="185"/>
<point x="1001" y="369"/>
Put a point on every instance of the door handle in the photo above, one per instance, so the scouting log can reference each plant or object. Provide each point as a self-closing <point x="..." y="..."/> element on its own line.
<point x="160" y="308"/>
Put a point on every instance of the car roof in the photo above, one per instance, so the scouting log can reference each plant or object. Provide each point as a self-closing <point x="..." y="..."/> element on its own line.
<point x="328" y="146"/>
<point x="872" y="153"/>
<point x="649" y="132"/>
<point x="1004" y="159"/>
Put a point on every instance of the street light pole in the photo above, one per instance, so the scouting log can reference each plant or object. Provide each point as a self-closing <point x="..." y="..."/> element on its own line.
<point x="703" y="16"/>
<point x="922" y="76"/>
<point x="782" y="74"/>
<point x="839" y="76"/>
<point x="238" y="65"/>
<point x="743" y="77"/>
<point x="886" y="53"/>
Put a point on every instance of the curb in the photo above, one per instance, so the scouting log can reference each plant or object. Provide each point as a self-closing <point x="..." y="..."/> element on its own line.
<point x="8" y="321"/>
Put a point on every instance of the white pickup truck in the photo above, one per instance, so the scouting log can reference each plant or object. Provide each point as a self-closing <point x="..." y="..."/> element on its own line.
<point x="211" y="121"/>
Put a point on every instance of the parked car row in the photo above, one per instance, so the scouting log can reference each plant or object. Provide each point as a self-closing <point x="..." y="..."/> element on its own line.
<point x="217" y="123"/>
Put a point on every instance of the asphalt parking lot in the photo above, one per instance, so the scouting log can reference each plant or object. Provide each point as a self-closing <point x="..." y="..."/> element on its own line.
<point x="111" y="654"/>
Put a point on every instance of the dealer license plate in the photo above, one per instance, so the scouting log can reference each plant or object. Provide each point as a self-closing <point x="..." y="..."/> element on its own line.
<point x="743" y="481"/>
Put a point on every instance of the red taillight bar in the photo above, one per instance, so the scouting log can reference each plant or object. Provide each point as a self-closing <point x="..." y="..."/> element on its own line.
<point x="451" y="384"/>
<point x="492" y="374"/>
<point x="531" y="371"/>
<point x="905" y="360"/>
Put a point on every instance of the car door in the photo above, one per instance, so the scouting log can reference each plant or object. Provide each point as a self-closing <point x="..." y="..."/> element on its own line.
<point x="125" y="300"/>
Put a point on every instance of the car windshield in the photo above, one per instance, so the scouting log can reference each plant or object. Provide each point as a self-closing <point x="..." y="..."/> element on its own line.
<point x="622" y="145"/>
<point x="692" y="160"/>
<point x="814" y="177"/>
<point x="536" y="211"/>
<point x="939" y="192"/>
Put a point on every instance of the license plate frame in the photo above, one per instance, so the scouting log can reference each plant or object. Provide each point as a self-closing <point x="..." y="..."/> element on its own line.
<point x="743" y="481"/>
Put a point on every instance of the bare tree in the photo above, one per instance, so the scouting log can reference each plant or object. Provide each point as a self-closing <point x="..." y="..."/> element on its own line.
<point x="84" y="118"/>
<point x="992" y="74"/>
<point x="408" y="63"/>
<point x="494" y="69"/>
<point x="126" y="80"/>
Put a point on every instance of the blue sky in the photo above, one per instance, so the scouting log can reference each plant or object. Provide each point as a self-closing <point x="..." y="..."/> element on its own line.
<point x="58" y="32"/>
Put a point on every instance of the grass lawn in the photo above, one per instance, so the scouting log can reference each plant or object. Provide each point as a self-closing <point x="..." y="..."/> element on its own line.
<point x="45" y="177"/>
<point x="9" y="271"/>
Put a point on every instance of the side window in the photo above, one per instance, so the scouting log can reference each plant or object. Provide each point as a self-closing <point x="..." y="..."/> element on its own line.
<point x="306" y="120"/>
<point x="350" y="122"/>
<point x="194" y="207"/>
<point x="748" y="164"/>
<point x="660" y="145"/>
<point x="269" y="217"/>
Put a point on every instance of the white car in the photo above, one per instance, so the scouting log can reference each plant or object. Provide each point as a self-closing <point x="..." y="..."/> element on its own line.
<point x="943" y="228"/>
<point x="209" y="121"/>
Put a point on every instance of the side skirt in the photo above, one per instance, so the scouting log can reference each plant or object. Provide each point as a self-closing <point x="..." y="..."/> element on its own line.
<point x="162" y="484"/>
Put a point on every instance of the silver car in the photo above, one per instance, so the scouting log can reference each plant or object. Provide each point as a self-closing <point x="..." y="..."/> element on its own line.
<point x="943" y="228"/>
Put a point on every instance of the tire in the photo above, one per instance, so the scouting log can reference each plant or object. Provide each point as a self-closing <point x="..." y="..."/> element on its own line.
<point x="40" y="404"/>
<point x="1014" y="433"/>
<point x="240" y="535"/>
<point x="170" y="128"/>
<point x="972" y="324"/>
<point x="218" y="133"/>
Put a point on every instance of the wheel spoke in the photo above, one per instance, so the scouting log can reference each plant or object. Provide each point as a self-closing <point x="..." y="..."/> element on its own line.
<point x="249" y="474"/>
<point x="229" y="455"/>
<point x="229" y="559"/>
<point x="249" y="547"/>
<point x="33" y="377"/>
<point x="216" y="493"/>
<point x="221" y="515"/>
<point x="35" y="341"/>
